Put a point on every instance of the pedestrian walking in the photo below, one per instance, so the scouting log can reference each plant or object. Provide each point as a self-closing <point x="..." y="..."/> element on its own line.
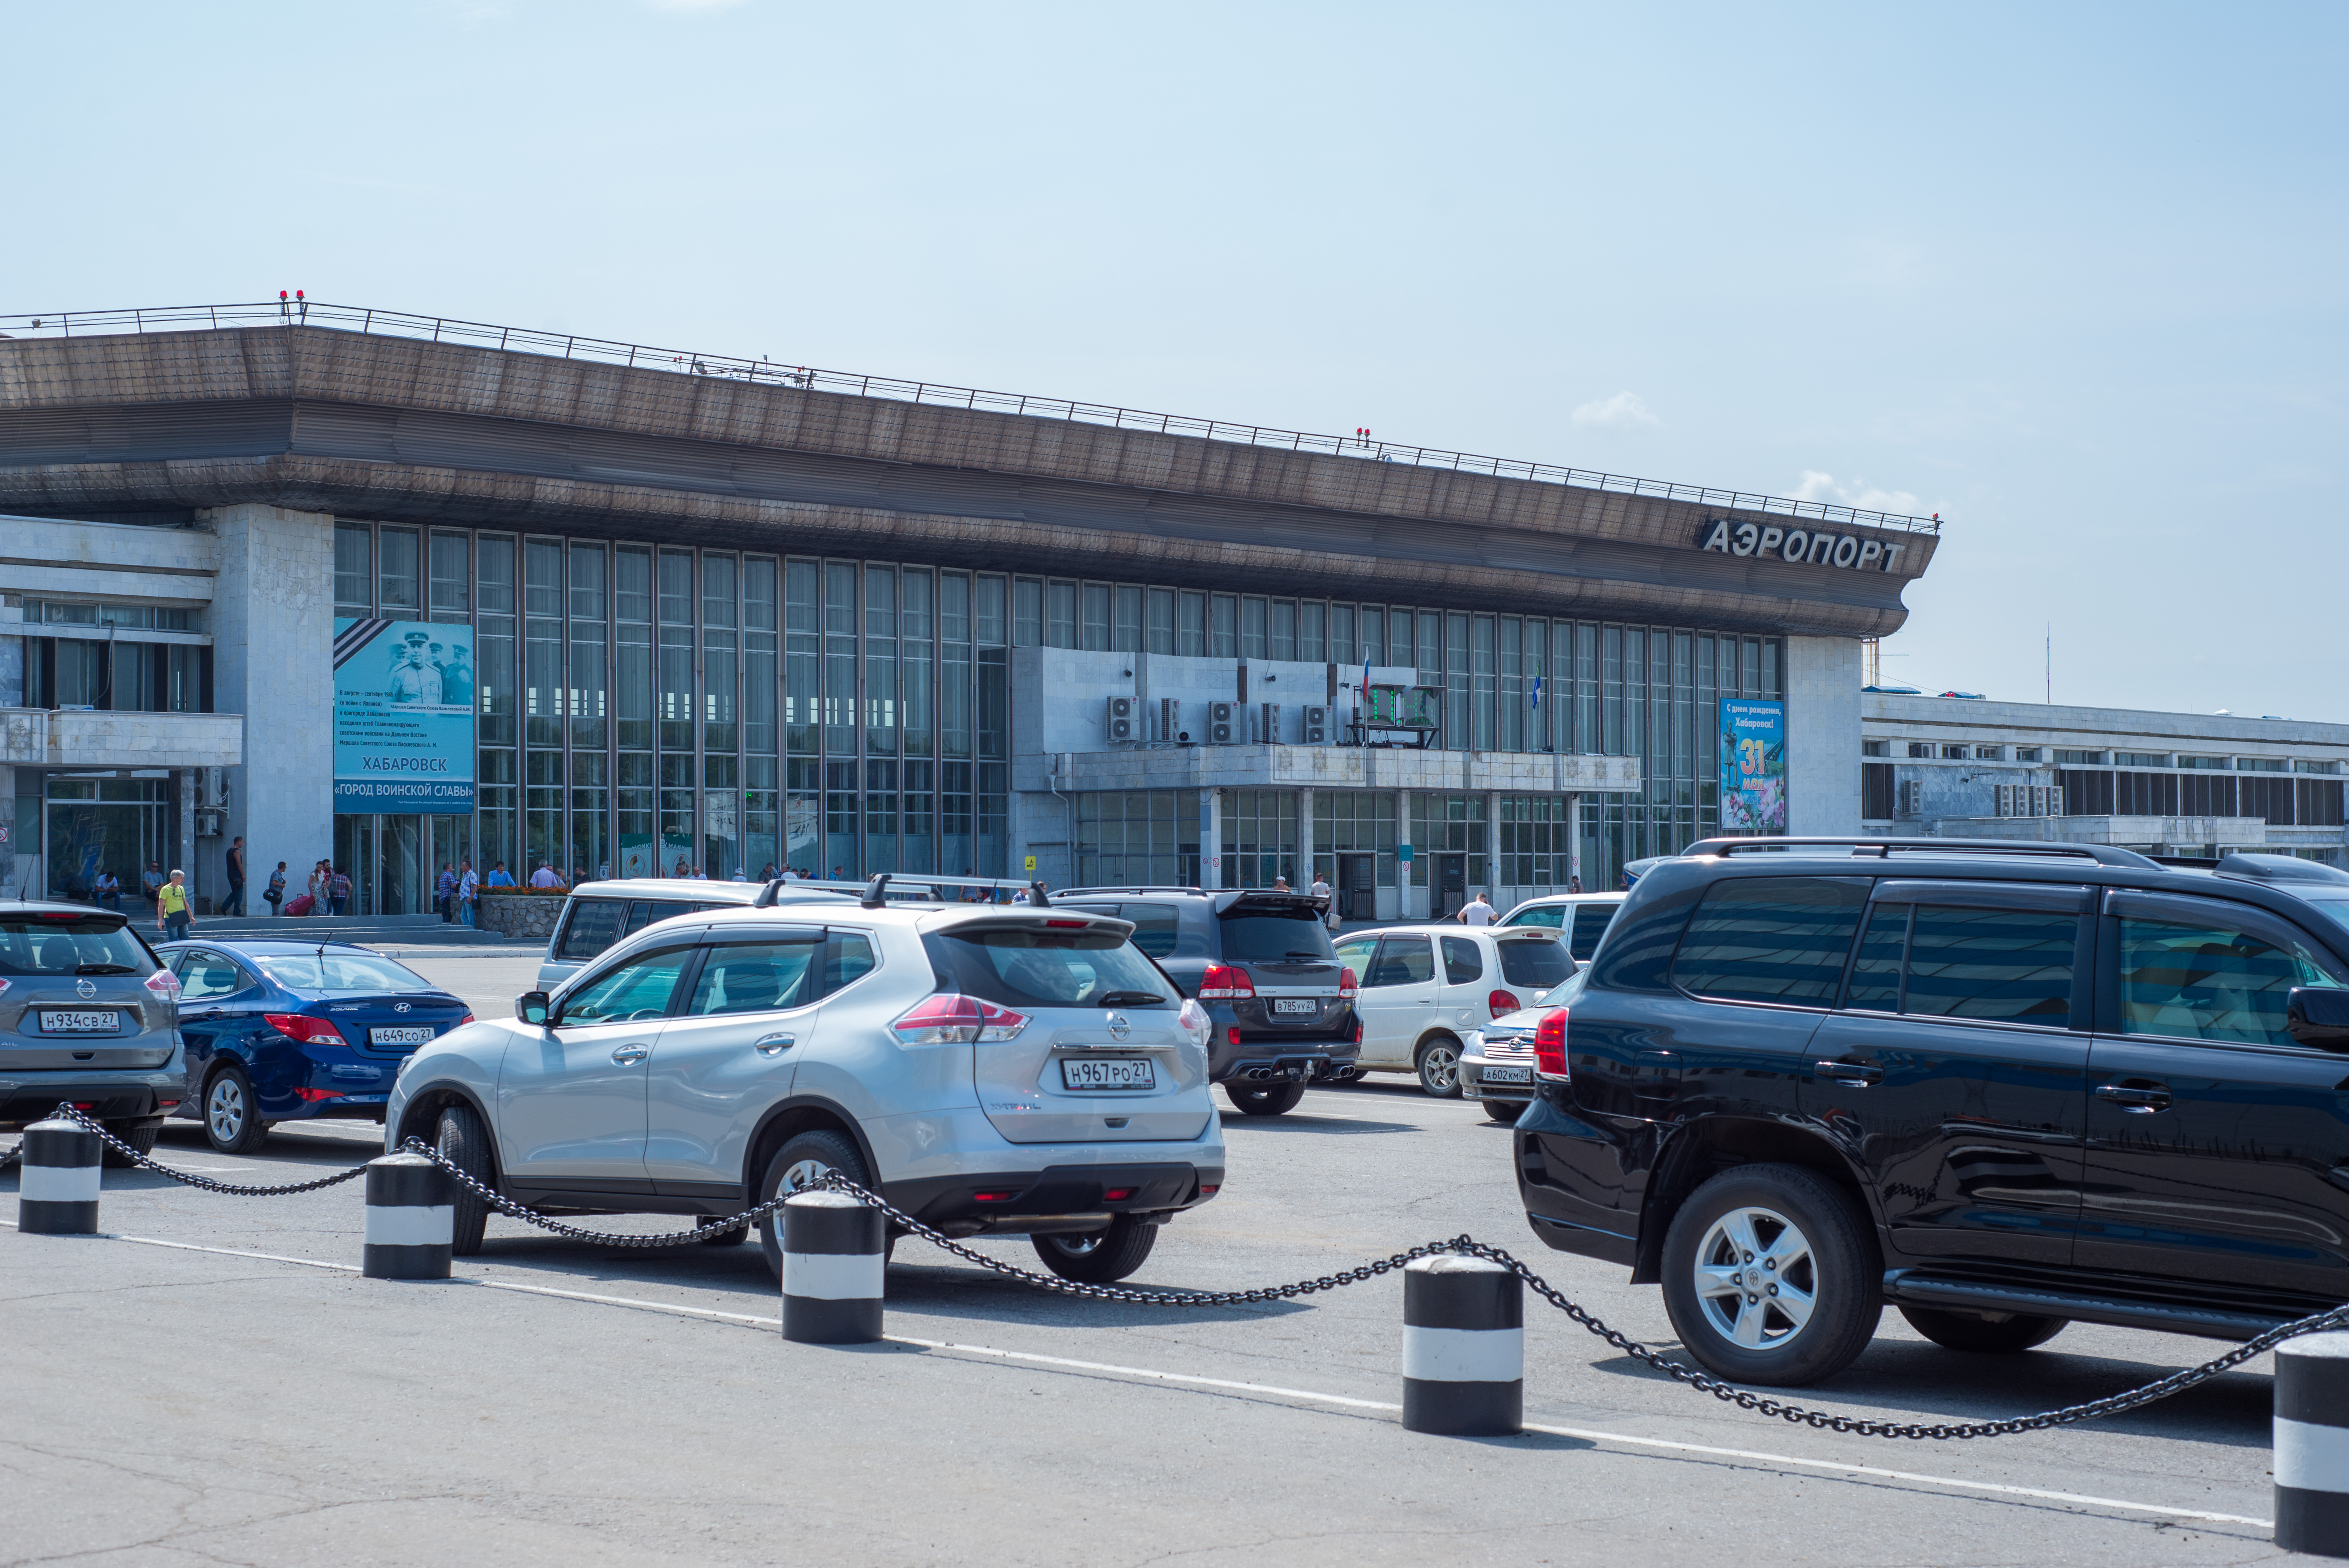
<point x="1574" y="884"/>
<point x="171" y="917"/>
<point x="468" y="891"/>
<point x="274" y="893"/>
<point x="1478" y="911"/>
<point x="321" y="888"/>
<point x="1320" y="890"/>
<point x="338" y="891"/>
<point x="235" y="905"/>
<point x="444" y="895"/>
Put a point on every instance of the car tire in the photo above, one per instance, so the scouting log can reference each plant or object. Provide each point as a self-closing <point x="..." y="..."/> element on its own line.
<point x="1507" y="1110"/>
<point x="1274" y="1100"/>
<point x="232" y="1117"/>
<point x="810" y="1155"/>
<point x="464" y="1142"/>
<point x="1765" y="1226"/>
<point x="1964" y="1331"/>
<point x="140" y="1135"/>
<point x="1439" y="1067"/>
<point x="1101" y="1257"/>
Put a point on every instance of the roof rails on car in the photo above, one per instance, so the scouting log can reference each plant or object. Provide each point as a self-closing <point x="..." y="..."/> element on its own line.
<point x="2279" y="868"/>
<point x="1097" y="891"/>
<point x="1882" y="848"/>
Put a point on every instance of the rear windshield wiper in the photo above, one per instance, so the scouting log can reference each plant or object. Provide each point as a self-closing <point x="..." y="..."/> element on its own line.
<point x="103" y="969"/>
<point x="1130" y="999"/>
<point x="1294" y="954"/>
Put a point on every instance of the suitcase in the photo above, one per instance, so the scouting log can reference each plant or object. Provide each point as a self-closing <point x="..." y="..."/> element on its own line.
<point x="302" y="905"/>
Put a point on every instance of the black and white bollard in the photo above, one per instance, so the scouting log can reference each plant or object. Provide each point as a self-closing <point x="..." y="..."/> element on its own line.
<point x="834" y="1258"/>
<point x="56" y="1194"/>
<point x="411" y="1219"/>
<point x="2312" y="1445"/>
<point x="1463" y="1348"/>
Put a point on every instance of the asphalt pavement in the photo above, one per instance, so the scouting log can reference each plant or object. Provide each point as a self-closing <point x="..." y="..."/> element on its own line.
<point x="212" y="1382"/>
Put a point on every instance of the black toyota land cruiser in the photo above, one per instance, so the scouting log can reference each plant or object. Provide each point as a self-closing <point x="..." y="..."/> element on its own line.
<point x="1999" y="1086"/>
<point x="1261" y="963"/>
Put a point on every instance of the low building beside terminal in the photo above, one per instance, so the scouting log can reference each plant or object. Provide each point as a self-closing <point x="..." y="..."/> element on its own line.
<point x="2164" y="783"/>
<point x="399" y="592"/>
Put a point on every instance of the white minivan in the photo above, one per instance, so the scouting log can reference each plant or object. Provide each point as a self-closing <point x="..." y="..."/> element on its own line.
<point x="1424" y="988"/>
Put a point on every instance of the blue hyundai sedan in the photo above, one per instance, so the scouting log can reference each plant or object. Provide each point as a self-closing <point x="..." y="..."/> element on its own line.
<point x="277" y="1031"/>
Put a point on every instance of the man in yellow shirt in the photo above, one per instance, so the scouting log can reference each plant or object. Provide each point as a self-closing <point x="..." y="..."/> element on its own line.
<point x="171" y="907"/>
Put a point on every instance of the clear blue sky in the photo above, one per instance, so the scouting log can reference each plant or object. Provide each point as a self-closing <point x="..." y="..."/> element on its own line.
<point x="2070" y="275"/>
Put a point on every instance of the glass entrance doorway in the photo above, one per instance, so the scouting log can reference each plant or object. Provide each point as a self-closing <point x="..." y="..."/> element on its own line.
<point x="394" y="860"/>
<point x="116" y="825"/>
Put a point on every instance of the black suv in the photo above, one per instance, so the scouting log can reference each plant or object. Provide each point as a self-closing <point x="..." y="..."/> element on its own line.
<point x="1262" y="966"/>
<point x="1999" y="1086"/>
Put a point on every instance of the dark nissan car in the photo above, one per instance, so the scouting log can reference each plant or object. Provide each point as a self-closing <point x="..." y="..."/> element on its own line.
<point x="1998" y="1085"/>
<point x="88" y="1017"/>
<point x="1261" y="964"/>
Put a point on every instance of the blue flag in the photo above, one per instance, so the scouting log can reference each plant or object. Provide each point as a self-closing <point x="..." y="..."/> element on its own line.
<point x="1536" y="692"/>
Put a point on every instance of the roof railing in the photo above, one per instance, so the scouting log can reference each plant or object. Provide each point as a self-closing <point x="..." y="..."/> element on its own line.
<point x="768" y="372"/>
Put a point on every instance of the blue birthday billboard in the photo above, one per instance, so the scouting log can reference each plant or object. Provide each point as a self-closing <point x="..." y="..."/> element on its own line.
<point x="1752" y="766"/>
<point x="403" y="718"/>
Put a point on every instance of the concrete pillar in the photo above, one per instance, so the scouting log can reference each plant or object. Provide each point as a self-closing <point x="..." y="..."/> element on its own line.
<point x="273" y="626"/>
<point x="1303" y="876"/>
<point x="1402" y="836"/>
<point x="1574" y="836"/>
<point x="186" y="780"/>
<point x="8" y="829"/>
<point x="1823" y="682"/>
<point x="1211" y="839"/>
<point x="1492" y="846"/>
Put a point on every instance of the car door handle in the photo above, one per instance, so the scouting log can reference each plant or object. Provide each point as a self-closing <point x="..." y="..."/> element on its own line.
<point x="629" y="1056"/>
<point x="1858" y="1074"/>
<point x="775" y="1045"/>
<point x="201" y="1017"/>
<point x="2136" y="1098"/>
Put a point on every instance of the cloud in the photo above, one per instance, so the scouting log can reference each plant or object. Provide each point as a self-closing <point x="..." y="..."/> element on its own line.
<point x="1816" y="486"/>
<point x="1623" y="411"/>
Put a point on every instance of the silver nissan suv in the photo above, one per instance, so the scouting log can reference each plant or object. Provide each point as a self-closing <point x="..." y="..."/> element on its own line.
<point x="989" y="1069"/>
<point x="90" y="1017"/>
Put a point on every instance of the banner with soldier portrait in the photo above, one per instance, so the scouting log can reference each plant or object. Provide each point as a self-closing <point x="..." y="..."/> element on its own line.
<point x="403" y="718"/>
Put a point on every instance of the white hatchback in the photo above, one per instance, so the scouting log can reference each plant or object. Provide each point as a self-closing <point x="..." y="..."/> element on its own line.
<point x="1425" y="988"/>
<point x="987" y="1068"/>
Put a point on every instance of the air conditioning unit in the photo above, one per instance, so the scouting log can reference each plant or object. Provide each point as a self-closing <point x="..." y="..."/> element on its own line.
<point x="1170" y="720"/>
<point x="1268" y="725"/>
<point x="1222" y="719"/>
<point x="1912" y="799"/>
<point x="1118" y="729"/>
<point x="208" y="824"/>
<point x="1316" y="725"/>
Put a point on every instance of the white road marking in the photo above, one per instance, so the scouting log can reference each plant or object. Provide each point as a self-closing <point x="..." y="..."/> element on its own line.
<point x="1587" y="1434"/>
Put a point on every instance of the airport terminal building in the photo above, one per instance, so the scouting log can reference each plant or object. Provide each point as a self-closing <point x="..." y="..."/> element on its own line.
<point x="397" y="591"/>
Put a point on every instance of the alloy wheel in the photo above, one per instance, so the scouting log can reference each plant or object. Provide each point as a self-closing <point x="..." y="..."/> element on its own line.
<point x="802" y="1174"/>
<point x="1755" y="1280"/>
<point x="224" y="1108"/>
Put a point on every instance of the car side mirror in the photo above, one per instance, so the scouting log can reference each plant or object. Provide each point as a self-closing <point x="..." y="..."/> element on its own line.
<point x="2318" y="1016"/>
<point x="532" y="1007"/>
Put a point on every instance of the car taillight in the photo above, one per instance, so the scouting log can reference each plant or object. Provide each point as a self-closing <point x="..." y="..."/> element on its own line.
<point x="1227" y="983"/>
<point x="952" y="1019"/>
<point x="1347" y="987"/>
<point x="1192" y="1020"/>
<point x="300" y="1026"/>
<point x="462" y="1022"/>
<point x="1549" y="1043"/>
<point x="315" y="1095"/>
<point x="1502" y="1003"/>
<point x="163" y="982"/>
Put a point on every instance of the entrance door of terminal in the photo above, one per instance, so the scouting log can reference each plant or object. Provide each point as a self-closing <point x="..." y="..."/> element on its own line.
<point x="1358" y="887"/>
<point x="1451" y="885"/>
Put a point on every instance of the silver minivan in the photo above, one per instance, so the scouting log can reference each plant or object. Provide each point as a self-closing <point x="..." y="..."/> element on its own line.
<point x="88" y="1016"/>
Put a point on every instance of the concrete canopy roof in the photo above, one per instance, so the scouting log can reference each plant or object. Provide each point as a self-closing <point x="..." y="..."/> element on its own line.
<point x="396" y="428"/>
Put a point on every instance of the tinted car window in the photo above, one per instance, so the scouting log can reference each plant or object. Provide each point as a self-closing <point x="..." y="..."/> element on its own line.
<point x="1155" y="927"/>
<point x="1463" y="965"/>
<point x="40" y="944"/>
<point x="1590" y="924"/>
<point x="644" y="912"/>
<point x="755" y="977"/>
<point x="1273" y="930"/>
<point x="1771" y="939"/>
<point x="340" y="972"/>
<point x="2004" y="964"/>
<point x="1876" y="972"/>
<point x="1550" y="915"/>
<point x="1022" y="968"/>
<point x="1539" y="965"/>
<point x="205" y="975"/>
<point x="2209" y="980"/>
<point x="1403" y="961"/>
<point x="595" y="924"/>
<point x="847" y="957"/>
<point x="638" y="988"/>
